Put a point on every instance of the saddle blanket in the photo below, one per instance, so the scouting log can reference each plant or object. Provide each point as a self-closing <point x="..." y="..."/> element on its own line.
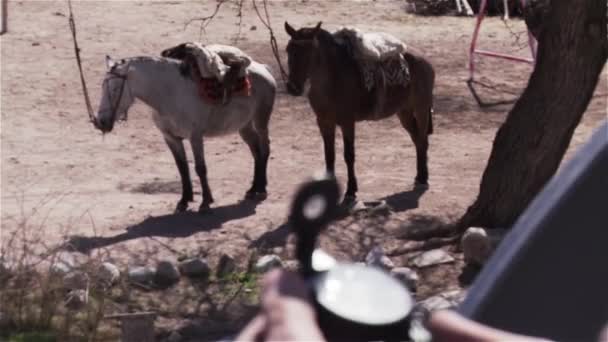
<point x="379" y="56"/>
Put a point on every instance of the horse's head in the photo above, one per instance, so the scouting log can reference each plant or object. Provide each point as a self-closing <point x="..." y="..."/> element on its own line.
<point x="299" y="55"/>
<point x="116" y="96"/>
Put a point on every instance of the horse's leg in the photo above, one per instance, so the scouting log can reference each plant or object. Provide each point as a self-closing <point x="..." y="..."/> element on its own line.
<point x="259" y="145"/>
<point x="201" y="169"/>
<point x="505" y="4"/>
<point x="328" y="133"/>
<point x="348" y="134"/>
<point x="179" y="154"/>
<point x="418" y="131"/>
<point x="261" y="121"/>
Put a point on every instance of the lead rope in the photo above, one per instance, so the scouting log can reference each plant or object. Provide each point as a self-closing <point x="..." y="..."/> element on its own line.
<point x="273" y="39"/>
<point x="77" y="52"/>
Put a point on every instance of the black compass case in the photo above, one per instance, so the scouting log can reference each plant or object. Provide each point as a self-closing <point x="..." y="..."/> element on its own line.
<point x="353" y="302"/>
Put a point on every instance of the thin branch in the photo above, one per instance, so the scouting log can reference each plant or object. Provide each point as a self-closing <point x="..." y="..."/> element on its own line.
<point x="240" y="22"/>
<point x="517" y="35"/>
<point x="273" y="39"/>
<point x="205" y="20"/>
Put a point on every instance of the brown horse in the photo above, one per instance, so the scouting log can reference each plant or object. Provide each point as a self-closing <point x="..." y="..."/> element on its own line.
<point x="339" y="98"/>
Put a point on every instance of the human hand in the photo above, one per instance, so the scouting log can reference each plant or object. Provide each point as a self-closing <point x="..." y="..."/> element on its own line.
<point x="286" y="311"/>
<point x="446" y="325"/>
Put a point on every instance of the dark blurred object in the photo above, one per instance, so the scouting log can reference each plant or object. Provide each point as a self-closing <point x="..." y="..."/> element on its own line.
<point x="496" y="7"/>
<point x="548" y="277"/>
<point x="353" y="302"/>
<point x="443" y="7"/>
<point x="433" y="7"/>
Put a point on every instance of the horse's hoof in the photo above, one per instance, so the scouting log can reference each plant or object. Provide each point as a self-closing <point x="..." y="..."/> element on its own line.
<point x="349" y="202"/>
<point x="256" y="196"/>
<point x="421" y="185"/>
<point x="204" y="209"/>
<point x="181" y="207"/>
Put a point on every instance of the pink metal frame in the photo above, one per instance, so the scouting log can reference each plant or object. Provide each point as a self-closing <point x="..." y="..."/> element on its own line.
<point x="473" y="51"/>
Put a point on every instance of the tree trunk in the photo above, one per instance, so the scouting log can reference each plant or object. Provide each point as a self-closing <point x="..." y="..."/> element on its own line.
<point x="530" y="145"/>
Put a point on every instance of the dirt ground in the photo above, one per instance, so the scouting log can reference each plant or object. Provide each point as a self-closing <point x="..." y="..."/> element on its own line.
<point x="117" y="192"/>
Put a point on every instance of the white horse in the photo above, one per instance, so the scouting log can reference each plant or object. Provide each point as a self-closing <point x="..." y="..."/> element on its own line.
<point x="180" y="113"/>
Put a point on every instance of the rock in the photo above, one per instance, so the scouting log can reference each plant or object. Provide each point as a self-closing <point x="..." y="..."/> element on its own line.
<point x="478" y="244"/>
<point x="407" y="276"/>
<point x="455" y="297"/>
<point x="475" y="245"/>
<point x="76" y="280"/>
<point x="436" y="303"/>
<point x="268" y="262"/>
<point x="166" y="273"/>
<point x="60" y="268"/>
<point x="377" y="258"/>
<point x="141" y="274"/>
<point x="195" y="268"/>
<point x="358" y="206"/>
<point x="65" y="262"/>
<point x="445" y="300"/>
<point x="226" y="265"/>
<point x="381" y="208"/>
<point x="108" y="273"/>
<point x="431" y="258"/>
<point x="174" y="337"/>
<point x="77" y="299"/>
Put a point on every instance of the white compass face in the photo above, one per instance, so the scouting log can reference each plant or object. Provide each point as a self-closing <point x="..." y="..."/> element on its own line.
<point x="363" y="294"/>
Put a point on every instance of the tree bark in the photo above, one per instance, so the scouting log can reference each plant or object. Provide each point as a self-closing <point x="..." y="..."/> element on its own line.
<point x="530" y="145"/>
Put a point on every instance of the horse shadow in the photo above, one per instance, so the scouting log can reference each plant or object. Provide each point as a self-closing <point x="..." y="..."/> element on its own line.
<point x="405" y="200"/>
<point x="397" y="202"/>
<point x="274" y="238"/>
<point x="178" y="225"/>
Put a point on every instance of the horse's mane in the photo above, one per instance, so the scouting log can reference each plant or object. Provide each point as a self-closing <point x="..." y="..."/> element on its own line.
<point x="182" y="67"/>
<point x="340" y="53"/>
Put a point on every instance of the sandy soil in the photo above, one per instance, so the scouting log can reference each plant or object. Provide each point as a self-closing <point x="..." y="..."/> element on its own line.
<point x="59" y="172"/>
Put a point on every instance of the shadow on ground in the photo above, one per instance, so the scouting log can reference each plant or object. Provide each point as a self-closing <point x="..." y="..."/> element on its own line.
<point x="178" y="225"/>
<point x="397" y="202"/>
<point x="156" y="187"/>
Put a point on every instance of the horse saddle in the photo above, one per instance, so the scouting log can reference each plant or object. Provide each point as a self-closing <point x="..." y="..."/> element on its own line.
<point x="220" y="71"/>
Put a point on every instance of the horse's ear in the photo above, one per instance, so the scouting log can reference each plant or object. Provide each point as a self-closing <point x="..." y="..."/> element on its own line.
<point x="317" y="28"/>
<point x="109" y="62"/>
<point x="290" y="30"/>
